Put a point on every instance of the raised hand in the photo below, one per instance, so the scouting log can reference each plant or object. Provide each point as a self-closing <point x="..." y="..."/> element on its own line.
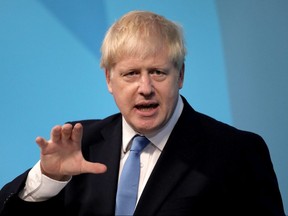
<point x="61" y="155"/>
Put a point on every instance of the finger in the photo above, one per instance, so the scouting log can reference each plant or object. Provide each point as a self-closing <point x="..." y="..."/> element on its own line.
<point x="55" y="134"/>
<point x="96" y="168"/>
<point x="42" y="143"/>
<point x="77" y="133"/>
<point x="66" y="132"/>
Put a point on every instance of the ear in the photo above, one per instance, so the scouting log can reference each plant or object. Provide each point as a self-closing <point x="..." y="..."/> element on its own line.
<point x="181" y="76"/>
<point x="108" y="80"/>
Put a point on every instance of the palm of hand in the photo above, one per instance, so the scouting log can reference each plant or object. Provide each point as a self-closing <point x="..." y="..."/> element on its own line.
<point x="61" y="155"/>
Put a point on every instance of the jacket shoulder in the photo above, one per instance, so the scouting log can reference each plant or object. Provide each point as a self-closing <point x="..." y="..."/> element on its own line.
<point x="98" y="123"/>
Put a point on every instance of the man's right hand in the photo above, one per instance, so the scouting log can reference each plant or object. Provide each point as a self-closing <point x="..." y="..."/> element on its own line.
<point x="61" y="155"/>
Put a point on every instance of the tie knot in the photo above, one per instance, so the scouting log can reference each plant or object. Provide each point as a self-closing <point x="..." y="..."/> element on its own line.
<point x="139" y="143"/>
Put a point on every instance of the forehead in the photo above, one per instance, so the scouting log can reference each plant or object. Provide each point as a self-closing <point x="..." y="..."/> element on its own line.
<point x="156" y="60"/>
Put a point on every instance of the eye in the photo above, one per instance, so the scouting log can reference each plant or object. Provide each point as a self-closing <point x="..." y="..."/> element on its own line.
<point x="156" y="72"/>
<point x="130" y="75"/>
<point x="158" y="75"/>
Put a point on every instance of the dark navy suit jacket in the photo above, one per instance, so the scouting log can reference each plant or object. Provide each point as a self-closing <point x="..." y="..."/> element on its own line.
<point x="206" y="168"/>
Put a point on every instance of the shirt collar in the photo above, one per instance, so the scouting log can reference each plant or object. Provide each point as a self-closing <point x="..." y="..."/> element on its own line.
<point x="160" y="137"/>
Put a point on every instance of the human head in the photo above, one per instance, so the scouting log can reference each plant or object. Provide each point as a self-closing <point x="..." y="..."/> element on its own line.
<point x="143" y="57"/>
<point x="142" y="33"/>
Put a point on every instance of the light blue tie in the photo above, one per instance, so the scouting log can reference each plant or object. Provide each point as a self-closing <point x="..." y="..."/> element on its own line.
<point x="129" y="179"/>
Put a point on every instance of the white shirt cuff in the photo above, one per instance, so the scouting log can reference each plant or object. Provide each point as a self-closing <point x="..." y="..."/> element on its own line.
<point x="40" y="187"/>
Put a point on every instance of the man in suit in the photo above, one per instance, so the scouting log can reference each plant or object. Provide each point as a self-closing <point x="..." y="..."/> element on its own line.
<point x="193" y="164"/>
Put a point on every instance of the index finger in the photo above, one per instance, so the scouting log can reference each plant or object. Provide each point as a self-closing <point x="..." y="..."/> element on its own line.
<point x="77" y="132"/>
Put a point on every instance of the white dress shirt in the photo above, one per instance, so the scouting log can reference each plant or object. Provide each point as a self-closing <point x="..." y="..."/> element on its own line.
<point x="40" y="187"/>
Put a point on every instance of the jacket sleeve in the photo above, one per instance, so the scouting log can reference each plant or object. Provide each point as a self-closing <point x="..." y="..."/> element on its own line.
<point x="11" y="204"/>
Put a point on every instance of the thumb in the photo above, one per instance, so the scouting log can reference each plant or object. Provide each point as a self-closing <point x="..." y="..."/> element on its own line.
<point x="96" y="168"/>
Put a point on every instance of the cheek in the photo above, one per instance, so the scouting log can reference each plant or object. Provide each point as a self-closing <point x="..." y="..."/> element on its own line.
<point x="123" y="95"/>
<point x="171" y="89"/>
<point x="123" y="102"/>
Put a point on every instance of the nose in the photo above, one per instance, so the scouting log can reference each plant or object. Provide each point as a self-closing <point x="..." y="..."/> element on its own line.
<point x="145" y="85"/>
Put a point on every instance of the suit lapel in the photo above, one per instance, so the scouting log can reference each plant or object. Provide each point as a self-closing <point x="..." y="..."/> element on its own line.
<point x="107" y="150"/>
<point x="178" y="156"/>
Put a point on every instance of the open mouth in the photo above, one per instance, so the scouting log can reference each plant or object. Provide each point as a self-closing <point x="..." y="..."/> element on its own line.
<point x="144" y="107"/>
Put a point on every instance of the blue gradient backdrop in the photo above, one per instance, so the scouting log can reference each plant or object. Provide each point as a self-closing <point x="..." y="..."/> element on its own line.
<point x="236" y="68"/>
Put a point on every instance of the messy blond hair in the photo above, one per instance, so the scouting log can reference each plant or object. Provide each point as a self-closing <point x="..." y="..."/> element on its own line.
<point x="142" y="34"/>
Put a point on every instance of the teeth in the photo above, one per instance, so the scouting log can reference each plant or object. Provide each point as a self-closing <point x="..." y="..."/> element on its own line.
<point x="146" y="107"/>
